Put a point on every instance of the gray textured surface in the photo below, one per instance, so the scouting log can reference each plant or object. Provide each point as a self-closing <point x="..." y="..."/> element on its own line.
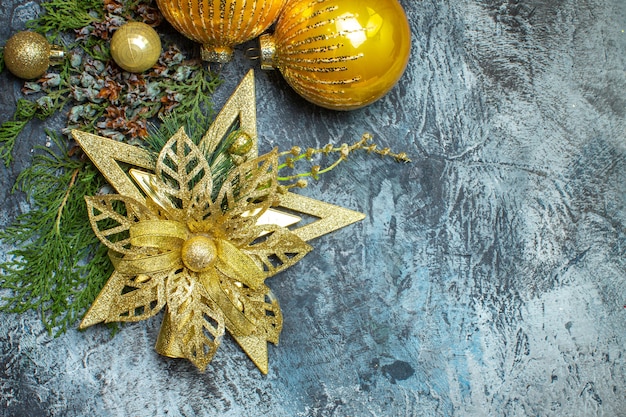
<point x="488" y="278"/>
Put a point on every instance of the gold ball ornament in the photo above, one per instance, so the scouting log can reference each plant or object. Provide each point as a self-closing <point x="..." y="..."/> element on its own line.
<point x="339" y="54"/>
<point x="220" y="24"/>
<point x="198" y="253"/>
<point x="135" y="47"/>
<point x="28" y="55"/>
<point x="241" y="143"/>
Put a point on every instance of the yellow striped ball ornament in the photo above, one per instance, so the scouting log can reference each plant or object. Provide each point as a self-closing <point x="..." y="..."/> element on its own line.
<point x="220" y="24"/>
<point x="339" y="54"/>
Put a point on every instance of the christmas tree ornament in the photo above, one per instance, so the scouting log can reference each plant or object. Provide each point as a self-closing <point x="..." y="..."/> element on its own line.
<point x="218" y="25"/>
<point x="135" y="47"/>
<point x="339" y="54"/>
<point x="28" y="55"/>
<point x="241" y="143"/>
<point x="200" y="248"/>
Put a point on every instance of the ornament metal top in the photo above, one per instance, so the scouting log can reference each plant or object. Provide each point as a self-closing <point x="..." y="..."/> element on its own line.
<point x="220" y="24"/>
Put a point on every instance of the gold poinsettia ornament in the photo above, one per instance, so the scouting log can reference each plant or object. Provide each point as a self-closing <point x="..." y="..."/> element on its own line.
<point x="200" y="249"/>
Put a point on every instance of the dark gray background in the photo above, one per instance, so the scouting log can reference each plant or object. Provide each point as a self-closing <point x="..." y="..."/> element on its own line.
<point x="487" y="279"/>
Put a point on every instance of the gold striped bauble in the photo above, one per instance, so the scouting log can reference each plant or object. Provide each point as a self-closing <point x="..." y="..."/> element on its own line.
<point x="220" y="24"/>
<point x="339" y="54"/>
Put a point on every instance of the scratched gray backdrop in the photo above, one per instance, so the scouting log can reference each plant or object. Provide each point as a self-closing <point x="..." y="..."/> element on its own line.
<point x="487" y="279"/>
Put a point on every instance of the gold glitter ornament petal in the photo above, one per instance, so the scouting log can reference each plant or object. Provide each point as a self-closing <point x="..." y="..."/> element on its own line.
<point x="339" y="54"/>
<point x="277" y="250"/>
<point x="194" y="325"/>
<point x="248" y="191"/>
<point x="185" y="176"/>
<point x="135" y="47"/>
<point x="111" y="218"/>
<point x="220" y="24"/>
<point x="28" y="55"/>
<point x="127" y="298"/>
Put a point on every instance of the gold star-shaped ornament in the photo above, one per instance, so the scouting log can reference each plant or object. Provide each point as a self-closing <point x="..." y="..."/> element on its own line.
<point x="199" y="249"/>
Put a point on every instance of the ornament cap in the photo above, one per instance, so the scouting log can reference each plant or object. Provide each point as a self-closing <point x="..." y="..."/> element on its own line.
<point x="267" y="45"/>
<point x="56" y="55"/>
<point x="220" y="25"/>
<point x="218" y="54"/>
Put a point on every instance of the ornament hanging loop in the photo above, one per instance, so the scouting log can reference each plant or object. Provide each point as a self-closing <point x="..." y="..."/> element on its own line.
<point x="253" y="54"/>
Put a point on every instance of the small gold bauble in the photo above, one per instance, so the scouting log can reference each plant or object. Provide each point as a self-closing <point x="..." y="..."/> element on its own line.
<point x="28" y="55"/>
<point x="220" y="24"/>
<point x="198" y="253"/>
<point x="135" y="47"/>
<point x="241" y="143"/>
<point x="339" y="54"/>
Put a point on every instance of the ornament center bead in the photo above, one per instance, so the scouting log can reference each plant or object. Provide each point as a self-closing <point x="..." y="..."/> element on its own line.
<point x="199" y="253"/>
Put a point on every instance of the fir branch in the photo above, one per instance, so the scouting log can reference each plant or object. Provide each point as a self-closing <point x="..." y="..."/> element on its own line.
<point x="194" y="91"/>
<point x="57" y="223"/>
<point x="10" y="129"/>
<point x="57" y="269"/>
<point x="65" y="15"/>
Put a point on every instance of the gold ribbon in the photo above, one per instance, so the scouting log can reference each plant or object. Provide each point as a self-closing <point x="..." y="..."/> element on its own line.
<point x="168" y="236"/>
<point x="237" y="265"/>
<point x="161" y="234"/>
<point x="237" y="322"/>
<point x="145" y="264"/>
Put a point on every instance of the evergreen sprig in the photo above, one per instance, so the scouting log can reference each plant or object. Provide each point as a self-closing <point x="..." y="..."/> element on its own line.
<point x="10" y="129"/>
<point x="64" y="15"/>
<point x="197" y="88"/>
<point x="58" y="265"/>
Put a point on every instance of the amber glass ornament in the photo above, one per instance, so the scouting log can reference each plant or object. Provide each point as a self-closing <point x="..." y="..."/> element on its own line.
<point x="28" y="55"/>
<point x="220" y="24"/>
<point x="339" y="54"/>
<point x="135" y="47"/>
